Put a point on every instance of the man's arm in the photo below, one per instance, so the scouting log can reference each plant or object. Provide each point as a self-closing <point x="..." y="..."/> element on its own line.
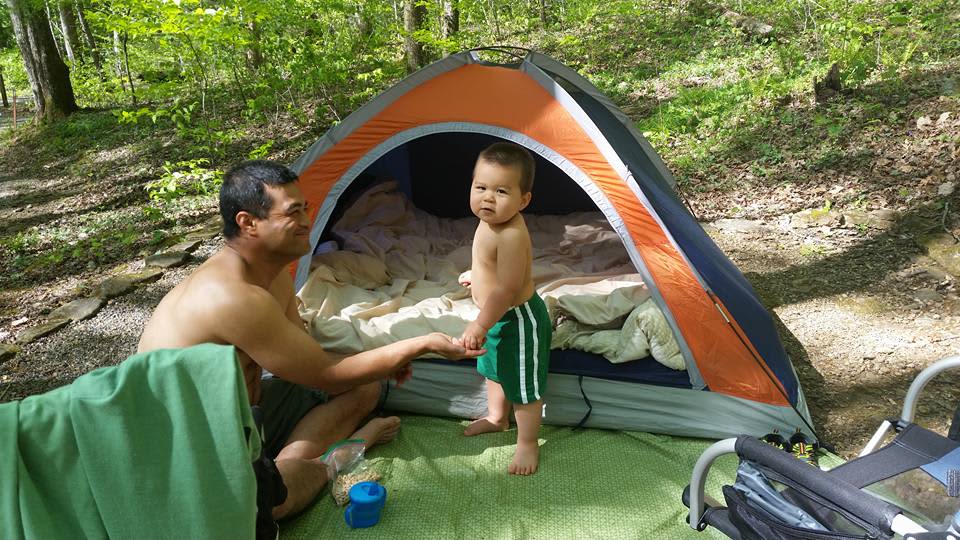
<point x="282" y="289"/>
<point x="254" y="321"/>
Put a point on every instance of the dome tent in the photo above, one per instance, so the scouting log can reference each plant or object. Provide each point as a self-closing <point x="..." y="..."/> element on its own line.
<point x="426" y="131"/>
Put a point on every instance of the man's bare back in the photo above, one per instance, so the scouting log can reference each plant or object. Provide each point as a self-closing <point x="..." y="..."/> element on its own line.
<point x="193" y="312"/>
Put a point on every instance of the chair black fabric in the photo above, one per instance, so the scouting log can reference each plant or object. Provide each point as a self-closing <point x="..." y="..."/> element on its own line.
<point x="913" y="447"/>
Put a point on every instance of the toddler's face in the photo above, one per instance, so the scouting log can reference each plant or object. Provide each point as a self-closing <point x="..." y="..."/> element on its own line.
<point x="495" y="195"/>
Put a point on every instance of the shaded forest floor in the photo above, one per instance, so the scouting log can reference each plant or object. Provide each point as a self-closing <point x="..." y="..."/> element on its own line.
<point x="841" y="214"/>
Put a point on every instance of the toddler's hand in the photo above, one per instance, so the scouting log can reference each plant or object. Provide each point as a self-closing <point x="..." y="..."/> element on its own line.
<point x="474" y="336"/>
<point x="464" y="279"/>
<point x="450" y="347"/>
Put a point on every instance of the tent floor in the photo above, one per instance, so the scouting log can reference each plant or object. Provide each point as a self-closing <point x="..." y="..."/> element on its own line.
<point x="591" y="484"/>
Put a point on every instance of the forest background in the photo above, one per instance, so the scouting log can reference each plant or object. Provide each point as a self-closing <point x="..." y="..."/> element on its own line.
<point x="816" y="139"/>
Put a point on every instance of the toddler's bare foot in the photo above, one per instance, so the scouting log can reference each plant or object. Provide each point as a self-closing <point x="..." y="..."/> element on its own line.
<point x="486" y="425"/>
<point x="525" y="459"/>
<point x="378" y="431"/>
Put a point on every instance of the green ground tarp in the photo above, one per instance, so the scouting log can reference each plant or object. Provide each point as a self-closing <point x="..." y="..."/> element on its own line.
<point x="591" y="484"/>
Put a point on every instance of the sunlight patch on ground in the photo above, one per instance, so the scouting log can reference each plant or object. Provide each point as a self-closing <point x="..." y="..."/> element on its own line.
<point x="110" y="155"/>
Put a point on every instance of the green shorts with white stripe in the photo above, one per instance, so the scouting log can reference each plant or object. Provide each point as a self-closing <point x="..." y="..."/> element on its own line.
<point x="518" y="351"/>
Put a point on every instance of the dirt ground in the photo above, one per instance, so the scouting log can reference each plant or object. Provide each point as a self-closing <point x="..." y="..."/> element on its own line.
<point x="856" y="328"/>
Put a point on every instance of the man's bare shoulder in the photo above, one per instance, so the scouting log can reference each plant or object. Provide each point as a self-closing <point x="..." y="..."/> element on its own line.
<point x="215" y="292"/>
<point x="219" y="280"/>
<point x="204" y="306"/>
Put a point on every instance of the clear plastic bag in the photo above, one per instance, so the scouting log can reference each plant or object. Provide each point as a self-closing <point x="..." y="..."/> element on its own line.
<point x="346" y="466"/>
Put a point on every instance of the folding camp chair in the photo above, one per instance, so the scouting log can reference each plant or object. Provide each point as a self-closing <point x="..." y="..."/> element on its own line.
<point x="777" y="496"/>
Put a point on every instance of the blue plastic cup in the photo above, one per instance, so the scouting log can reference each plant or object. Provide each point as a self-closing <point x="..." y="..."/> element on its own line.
<point x="366" y="501"/>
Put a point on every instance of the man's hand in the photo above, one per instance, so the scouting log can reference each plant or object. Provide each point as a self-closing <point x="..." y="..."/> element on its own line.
<point x="474" y="336"/>
<point x="464" y="279"/>
<point x="451" y="348"/>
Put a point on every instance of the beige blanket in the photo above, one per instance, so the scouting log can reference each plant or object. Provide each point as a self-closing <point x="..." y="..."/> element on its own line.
<point x="396" y="276"/>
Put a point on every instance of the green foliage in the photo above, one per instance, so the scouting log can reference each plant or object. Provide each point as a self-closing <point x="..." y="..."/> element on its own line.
<point x="261" y="151"/>
<point x="14" y="74"/>
<point x="95" y="237"/>
<point x="699" y="87"/>
<point x="131" y="117"/>
<point x="184" y="178"/>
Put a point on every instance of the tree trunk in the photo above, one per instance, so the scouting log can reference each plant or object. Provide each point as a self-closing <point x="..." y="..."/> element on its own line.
<point x="126" y="66"/>
<point x="71" y="43"/>
<point x="118" y="63"/>
<point x="91" y="41"/>
<point x="254" y="56"/>
<point x="544" y="19"/>
<point x="363" y="22"/>
<point x="494" y="18"/>
<point x="413" y="15"/>
<point x="53" y="29"/>
<point x="3" y="89"/>
<point x="450" y="19"/>
<point x="48" y="75"/>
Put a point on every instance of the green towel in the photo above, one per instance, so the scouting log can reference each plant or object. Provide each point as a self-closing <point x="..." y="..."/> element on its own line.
<point x="155" y="447"/>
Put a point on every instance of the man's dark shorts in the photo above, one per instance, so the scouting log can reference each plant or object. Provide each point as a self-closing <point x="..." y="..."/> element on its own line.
<point x="284" y="404"/>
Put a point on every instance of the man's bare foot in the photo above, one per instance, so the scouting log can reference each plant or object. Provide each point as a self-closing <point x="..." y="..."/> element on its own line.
<point x="525" y="459"/>
<point x="486" y="425"/>
<point x="378" y="431"/>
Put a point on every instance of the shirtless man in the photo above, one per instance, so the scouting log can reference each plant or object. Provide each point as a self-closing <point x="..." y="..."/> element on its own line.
<point x="243" y="296"/>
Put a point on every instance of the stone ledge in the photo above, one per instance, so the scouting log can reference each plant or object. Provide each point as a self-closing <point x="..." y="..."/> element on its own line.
<point x="36" y="332"/>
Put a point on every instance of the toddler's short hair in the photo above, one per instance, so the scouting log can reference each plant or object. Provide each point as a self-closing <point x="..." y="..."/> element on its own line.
<point x="507" y="154"/>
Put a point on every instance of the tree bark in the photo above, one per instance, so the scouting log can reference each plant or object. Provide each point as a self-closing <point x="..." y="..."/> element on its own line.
<point x="118" y="63"/>
<point x="3" y="89"/>
<point x="126" y="66"/>
<point x="91" y="41"/>
<point x="53" y="29"/>
<point x="363" y="22"/>
<point x="449" y="22"/>
<point x="71" y="42"/>
<point x="450" y="19"/>
<point x="48" y="75"/>
<point x="544" y="19"/>
<point x="254" y="56"/>
<point x="413" y="16"/>
<point x="494" y="18"/>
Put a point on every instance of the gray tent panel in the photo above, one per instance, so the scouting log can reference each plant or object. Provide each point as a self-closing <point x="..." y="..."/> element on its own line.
<point x="453" y="390"/>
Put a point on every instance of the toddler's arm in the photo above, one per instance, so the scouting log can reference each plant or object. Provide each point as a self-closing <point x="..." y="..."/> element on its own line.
<point x="511" y="270"/>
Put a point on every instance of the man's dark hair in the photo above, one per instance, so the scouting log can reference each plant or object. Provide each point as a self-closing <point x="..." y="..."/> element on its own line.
<point x="508" y="154"/>
<point x="242" y="191"/>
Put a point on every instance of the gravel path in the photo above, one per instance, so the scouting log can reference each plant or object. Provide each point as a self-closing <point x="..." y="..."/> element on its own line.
<point x="102" y="340"/>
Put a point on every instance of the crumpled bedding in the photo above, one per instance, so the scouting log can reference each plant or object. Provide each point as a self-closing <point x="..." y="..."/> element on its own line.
<point x="396" y="275"/>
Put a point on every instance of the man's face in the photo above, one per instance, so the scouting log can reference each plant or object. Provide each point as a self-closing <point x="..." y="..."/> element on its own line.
<point x="495" y="195"/>
<point x="286" y="229"/>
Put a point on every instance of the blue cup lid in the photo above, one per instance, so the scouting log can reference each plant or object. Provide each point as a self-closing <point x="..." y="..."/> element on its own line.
<point x="367" y="493"/>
